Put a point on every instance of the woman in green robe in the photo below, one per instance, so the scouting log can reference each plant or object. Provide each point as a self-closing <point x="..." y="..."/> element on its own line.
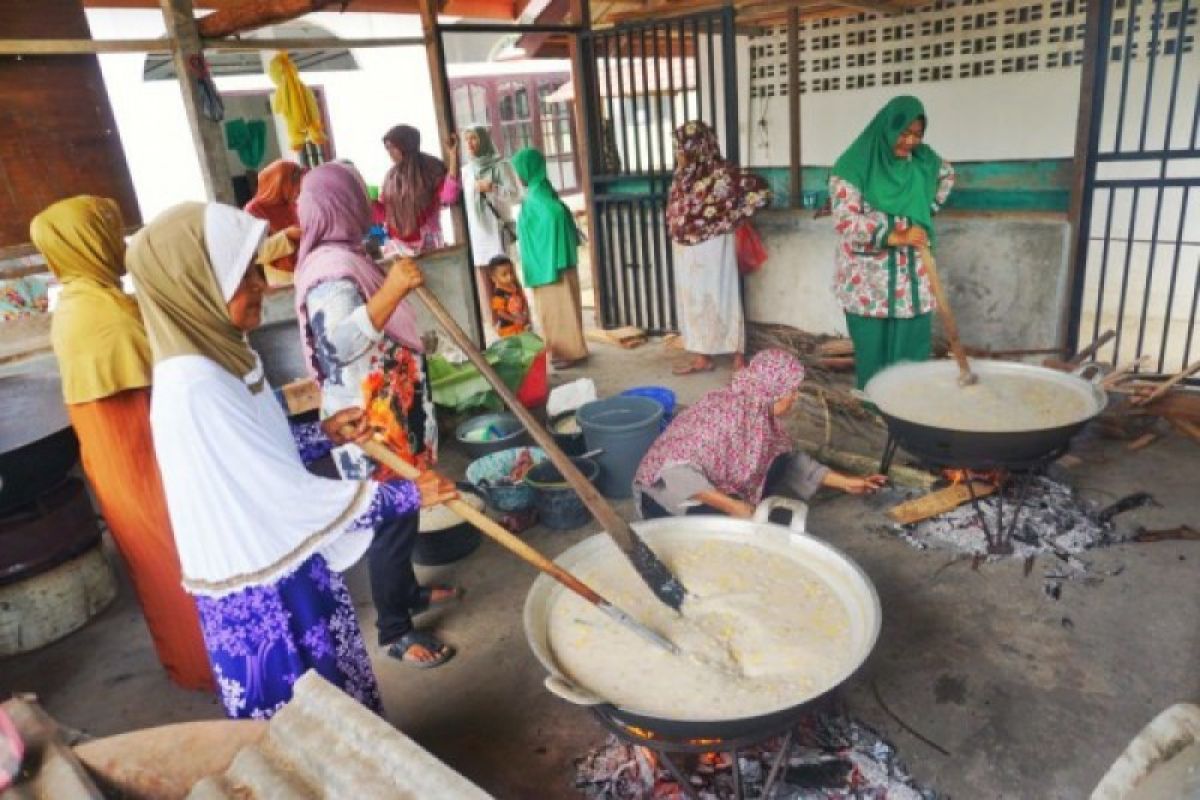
<point x="884" y="192"/>
<point x="549" y="245"/>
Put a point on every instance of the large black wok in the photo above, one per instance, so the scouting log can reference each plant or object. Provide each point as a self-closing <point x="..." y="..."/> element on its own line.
<point x="37" y="445"/>
<point x="950" y="447"/>
<point x="848" y="581"/>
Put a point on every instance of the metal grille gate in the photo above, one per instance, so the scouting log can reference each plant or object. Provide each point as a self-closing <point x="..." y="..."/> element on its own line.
<point x="1138" y="269"/>
<point x="642" y="80"/>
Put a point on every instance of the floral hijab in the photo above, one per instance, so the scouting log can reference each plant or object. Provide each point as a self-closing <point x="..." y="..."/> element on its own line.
<point x="709" y="196"/>
<point x="731" y="435"/>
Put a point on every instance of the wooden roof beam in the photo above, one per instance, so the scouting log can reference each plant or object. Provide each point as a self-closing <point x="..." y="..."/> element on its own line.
<point x="256" y="14"/>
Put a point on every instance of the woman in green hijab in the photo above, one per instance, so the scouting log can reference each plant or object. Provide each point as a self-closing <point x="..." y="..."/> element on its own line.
<point x="549" y="244"/>
<point x="884" y="192"/>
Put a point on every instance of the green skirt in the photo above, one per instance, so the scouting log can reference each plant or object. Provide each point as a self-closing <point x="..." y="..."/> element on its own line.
<point x="880" y="342"/>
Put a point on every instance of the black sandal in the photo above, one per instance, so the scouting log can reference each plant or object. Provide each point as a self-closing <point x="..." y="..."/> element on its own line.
<point x="442" y="651"/>
<point x="426" y="601"/>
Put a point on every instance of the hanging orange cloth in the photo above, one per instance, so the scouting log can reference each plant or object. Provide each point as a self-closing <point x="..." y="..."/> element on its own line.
<point x="295" y="102"/>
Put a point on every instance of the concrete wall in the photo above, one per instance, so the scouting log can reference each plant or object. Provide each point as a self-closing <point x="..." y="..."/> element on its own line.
<point x="1005" y="275"/>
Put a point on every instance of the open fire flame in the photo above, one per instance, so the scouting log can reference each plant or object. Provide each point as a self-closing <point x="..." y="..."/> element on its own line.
<point x="715" y="759"/>
<point x="992" y="477"/>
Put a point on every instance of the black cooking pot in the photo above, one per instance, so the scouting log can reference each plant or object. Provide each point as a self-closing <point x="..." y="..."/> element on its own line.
<point x="28" y="472"/>
<point x="444" y="537"/>
<point x="951" y="447"/>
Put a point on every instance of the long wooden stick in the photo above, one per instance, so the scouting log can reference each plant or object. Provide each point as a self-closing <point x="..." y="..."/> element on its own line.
<point x="1166" y="386"/>
<point x="514" y="544"/>
<point x="965" y="376"/>
<point x="664" y="585"/>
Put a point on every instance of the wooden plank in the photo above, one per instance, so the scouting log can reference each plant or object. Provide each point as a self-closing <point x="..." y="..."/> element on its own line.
<point x="1166" y="386"/>
<point x="628" y="337"/>
<point x="1143" y="441"/>
<point x="579" y="79"/>
<point x="251" y="14"/>
<point x="322" y="43"/>
<point x="442" y="107"/>
<point x="302" y="396"/>
<point x="51" y="47"/>
<point x="207" y="135"/>
<point x="937" y="502"/>
<point x="1086" y="136"/>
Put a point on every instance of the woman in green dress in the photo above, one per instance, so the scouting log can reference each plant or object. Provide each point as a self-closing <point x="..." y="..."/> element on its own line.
<point x="884" y="192"/>
<point x="549" y="245"/>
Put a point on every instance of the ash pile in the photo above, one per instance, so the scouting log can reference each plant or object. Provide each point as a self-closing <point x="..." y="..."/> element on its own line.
<point x="832" y="757"/>
<point x="1052" y="520"/>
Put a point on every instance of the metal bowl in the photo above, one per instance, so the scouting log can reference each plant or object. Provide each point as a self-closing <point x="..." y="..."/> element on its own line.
<point x="846" y="579"/>
<point x="508" y="431"/>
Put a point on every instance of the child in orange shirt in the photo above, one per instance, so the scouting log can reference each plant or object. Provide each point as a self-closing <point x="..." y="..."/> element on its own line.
<point x="510" y="312"/>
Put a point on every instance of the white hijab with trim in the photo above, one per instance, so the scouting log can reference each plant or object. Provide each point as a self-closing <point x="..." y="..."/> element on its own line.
<point x="245" y="510"/>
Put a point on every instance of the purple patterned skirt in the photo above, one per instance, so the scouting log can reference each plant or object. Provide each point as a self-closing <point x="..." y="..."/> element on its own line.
<point x="261" y="639"/>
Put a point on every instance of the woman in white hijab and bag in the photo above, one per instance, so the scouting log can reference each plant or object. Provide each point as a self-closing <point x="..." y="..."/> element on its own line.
<point x="261" y="540"/>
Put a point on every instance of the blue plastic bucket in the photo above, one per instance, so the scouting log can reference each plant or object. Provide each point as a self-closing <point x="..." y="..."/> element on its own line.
<point x="660" y="394"/>
<point x="623" y="428"/>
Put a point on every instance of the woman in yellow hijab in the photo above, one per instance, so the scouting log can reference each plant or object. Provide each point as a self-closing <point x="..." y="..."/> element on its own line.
<point x="104" y="360"/>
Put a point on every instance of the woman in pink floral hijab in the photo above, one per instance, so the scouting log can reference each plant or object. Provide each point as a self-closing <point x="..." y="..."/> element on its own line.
<point x="728" y="450"/>
<point x="709" y="197"/>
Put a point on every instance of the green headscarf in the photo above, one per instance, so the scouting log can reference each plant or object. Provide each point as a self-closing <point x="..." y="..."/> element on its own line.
<point x="545" y="230"/>
<point x="487" y="164"/>
<point x="899" y="186"/>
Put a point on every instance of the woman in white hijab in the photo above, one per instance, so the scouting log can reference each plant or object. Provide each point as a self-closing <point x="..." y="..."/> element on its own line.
<point x="260" y="539"/>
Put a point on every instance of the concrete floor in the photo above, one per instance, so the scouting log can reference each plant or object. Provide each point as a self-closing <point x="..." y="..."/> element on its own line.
<point x="1030" y="697"/>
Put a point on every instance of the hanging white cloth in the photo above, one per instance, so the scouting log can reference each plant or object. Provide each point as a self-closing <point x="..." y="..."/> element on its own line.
<point x="710" y="305"/>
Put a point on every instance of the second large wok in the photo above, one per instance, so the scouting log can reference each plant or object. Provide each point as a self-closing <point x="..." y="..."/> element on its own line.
<point x="950" y="446"/>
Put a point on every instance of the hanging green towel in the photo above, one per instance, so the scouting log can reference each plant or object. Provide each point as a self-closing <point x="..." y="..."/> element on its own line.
<point x="248" y="138"/>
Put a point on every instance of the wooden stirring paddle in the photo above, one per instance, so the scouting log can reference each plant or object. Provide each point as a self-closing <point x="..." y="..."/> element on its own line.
<point x="381" y="453"/>
<point x="965" y="376"/>
<point x="649" y="566"/>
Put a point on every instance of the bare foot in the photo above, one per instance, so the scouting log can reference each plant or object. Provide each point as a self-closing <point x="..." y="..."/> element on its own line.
<point x="739" y="361"/>
<point x="697" y="364"/>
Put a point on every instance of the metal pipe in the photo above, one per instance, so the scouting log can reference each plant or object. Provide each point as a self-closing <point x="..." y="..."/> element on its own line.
<point x="494" y="27"/>
<point x="1153" y="61"/>
<point x="1125" y="272"/>
<point x="632" y="99"/>
<point x="1112" y="199"/>
<point x="729" y="81"/>
<point x="1158" y="198"/>
<point x="1179" y="37"/>
<point x="1187" y="346"/>
<point x="646" y="96"/>
<point x="712" y="76"/>
<point x="659" y="116"/>
<point x="1130" y="24"/>
<point x="1162" y="354"/>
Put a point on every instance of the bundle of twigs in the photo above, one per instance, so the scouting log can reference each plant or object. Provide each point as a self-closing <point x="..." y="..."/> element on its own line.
<point x="826" y="392"/>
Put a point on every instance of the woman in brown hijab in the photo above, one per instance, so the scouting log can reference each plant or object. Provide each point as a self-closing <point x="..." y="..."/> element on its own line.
<point x="416" y="189"/>
<point x="104" y="360"/>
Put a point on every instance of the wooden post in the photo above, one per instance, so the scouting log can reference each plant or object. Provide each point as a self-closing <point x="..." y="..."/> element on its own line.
<point x="441" y="99"/>
<point x="583" y="138"/>
<point x="1087" y="134"/>
<point x="793" y="43"/>
<point x="207" y="135"/>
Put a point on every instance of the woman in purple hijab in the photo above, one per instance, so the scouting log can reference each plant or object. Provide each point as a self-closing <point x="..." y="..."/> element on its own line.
<point x="362" y="343"/>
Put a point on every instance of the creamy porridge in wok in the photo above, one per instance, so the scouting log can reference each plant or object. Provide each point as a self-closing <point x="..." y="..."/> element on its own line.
<point x="998" y="402"/>
<point x="758" y="632"/>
